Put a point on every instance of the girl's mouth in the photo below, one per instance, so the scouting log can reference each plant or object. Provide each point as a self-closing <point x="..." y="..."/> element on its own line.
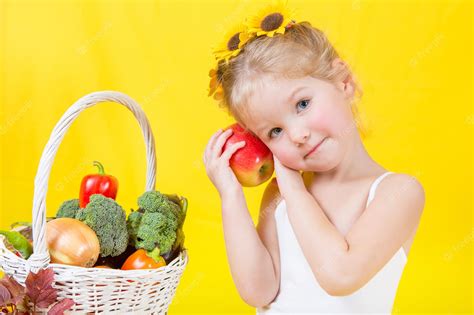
<point x="315" y="149"/>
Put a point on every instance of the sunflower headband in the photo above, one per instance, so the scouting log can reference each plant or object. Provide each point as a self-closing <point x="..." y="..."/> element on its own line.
<point x="275" y="19"/>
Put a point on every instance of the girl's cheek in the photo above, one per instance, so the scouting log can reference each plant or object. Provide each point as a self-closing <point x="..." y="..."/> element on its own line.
<point x="320" y="119"/>
<point x="284" y="155"/>
<point x="328" y="119"/>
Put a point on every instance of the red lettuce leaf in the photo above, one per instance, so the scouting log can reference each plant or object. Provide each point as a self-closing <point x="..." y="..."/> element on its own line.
<point x="39" y="291"/>
<point x="39" y="288"/>
<point x="5" y="296"/>
<point x="16" y="290"/>
<point x="60" y="307"/>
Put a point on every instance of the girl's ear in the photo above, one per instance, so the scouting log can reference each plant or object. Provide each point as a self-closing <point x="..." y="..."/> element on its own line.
<point x="346" y="85"/>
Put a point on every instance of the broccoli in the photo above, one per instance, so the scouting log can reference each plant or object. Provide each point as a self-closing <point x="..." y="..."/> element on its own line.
<point x="177" y="247"/>
<point x="182" y="206"/>
<point x="154" y="201"/>
<point x="108" y="220"/>
<point x="156" y="230"/>
<point x="178" y="213"/>
<point x="68" y="209"/>
<point x="179" y="239"/>
<point x="156" y="222"/>
<point x="133" y="222"/>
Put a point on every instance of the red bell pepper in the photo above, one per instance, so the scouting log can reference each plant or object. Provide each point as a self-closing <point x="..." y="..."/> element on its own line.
<point x="100" y="183"/>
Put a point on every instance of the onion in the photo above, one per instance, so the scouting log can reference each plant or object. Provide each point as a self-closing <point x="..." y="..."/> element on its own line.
<point x="72" y="242"/>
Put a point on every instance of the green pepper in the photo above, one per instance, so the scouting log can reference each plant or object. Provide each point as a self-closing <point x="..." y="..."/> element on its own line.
<point x="20" y="242"/>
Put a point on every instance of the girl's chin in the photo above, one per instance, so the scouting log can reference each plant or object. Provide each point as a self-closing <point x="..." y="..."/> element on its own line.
<point x="321" y="167"/>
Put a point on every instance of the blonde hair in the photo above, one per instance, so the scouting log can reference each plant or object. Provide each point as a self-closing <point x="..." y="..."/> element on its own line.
<point x="302" y="50"/>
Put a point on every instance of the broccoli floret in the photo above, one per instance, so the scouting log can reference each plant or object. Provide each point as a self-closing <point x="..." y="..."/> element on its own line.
<point x="156" y="230"/>
<point x="157" y="222"/>
<point x="68" y="209"/>
<point x="108" y="220"/>
<point x="154" y="201"/>
<point x="181" y="206"/>
<point x="176" y="209"/>
<point x="179" y="242"/>
<point x="133" y="222"/>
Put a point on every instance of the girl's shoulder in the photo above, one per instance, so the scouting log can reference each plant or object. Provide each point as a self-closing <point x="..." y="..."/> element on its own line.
<point x="398" y="184"/>
<point x="398" y="191"/>
<point x="394" y="179"/>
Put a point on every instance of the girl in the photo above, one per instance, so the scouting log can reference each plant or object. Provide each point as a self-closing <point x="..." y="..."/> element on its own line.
<point x="335" y="237"/>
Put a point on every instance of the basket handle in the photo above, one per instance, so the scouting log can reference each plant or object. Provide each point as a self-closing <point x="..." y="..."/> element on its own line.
<point x="40" y="257"/>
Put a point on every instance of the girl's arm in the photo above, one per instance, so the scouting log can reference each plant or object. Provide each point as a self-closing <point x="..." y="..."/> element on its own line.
<point x="343" y="264"/>
<point x="250" y="262"/>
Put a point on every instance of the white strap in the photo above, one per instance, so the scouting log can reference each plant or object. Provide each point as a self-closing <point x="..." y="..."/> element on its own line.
<point x="374" y="185"/>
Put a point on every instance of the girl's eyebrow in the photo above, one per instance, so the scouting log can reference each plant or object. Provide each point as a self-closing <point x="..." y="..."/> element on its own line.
<point x="261" y="129"/>
<point x="292" y="95"/>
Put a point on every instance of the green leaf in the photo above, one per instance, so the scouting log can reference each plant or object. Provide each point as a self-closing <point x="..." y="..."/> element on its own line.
<point x="20" y="242"/>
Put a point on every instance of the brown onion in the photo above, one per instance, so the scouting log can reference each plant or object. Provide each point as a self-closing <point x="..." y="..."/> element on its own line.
<point x="72" y="242"/>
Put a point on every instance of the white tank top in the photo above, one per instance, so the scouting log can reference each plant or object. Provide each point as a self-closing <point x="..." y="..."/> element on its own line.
<point x="300" y="292"/>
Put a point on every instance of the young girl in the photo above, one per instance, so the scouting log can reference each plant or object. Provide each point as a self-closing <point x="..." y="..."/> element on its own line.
<point x="335" y="237"/>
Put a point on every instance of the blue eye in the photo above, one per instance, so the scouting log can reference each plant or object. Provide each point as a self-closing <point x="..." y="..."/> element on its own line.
<point x="271" y="133"/>
<point x="305" y="103"/>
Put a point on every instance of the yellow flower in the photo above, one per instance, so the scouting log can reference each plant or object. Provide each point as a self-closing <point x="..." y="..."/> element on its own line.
<point x="270" y="20"/>
<point x="215" y="86"/>
<point x="231" y="46"/>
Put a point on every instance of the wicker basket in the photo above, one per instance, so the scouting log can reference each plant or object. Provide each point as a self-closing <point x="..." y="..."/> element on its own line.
<point x="96" y="290"/>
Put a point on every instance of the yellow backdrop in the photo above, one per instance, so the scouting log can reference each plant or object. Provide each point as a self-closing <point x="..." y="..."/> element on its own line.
<point x="413" y="58"/>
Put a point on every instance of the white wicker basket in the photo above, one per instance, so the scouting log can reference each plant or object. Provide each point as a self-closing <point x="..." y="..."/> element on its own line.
<point x="96" y="290"/>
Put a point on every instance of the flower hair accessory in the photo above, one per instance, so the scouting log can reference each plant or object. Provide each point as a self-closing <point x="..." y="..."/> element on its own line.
<point x="274" y="19"/>
<point x="215" y="87"/>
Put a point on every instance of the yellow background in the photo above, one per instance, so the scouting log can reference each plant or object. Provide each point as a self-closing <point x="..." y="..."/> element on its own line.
<point x="413" y="59"/>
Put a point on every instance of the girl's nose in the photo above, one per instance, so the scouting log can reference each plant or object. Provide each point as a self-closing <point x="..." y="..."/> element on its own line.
<point x="300" y="136"/>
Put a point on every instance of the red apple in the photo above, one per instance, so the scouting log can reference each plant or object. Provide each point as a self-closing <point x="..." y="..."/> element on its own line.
<point x="252" y="164"/>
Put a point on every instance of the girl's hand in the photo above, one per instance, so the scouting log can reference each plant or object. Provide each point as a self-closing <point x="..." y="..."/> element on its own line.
<point x="288" y="179"/>
<point x="217" y="164"/>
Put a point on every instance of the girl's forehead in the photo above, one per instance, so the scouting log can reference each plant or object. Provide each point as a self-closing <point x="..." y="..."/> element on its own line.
<point x="264" y="114"/>
<point x="276" y="94"/>
<point x="273" y="89"/>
